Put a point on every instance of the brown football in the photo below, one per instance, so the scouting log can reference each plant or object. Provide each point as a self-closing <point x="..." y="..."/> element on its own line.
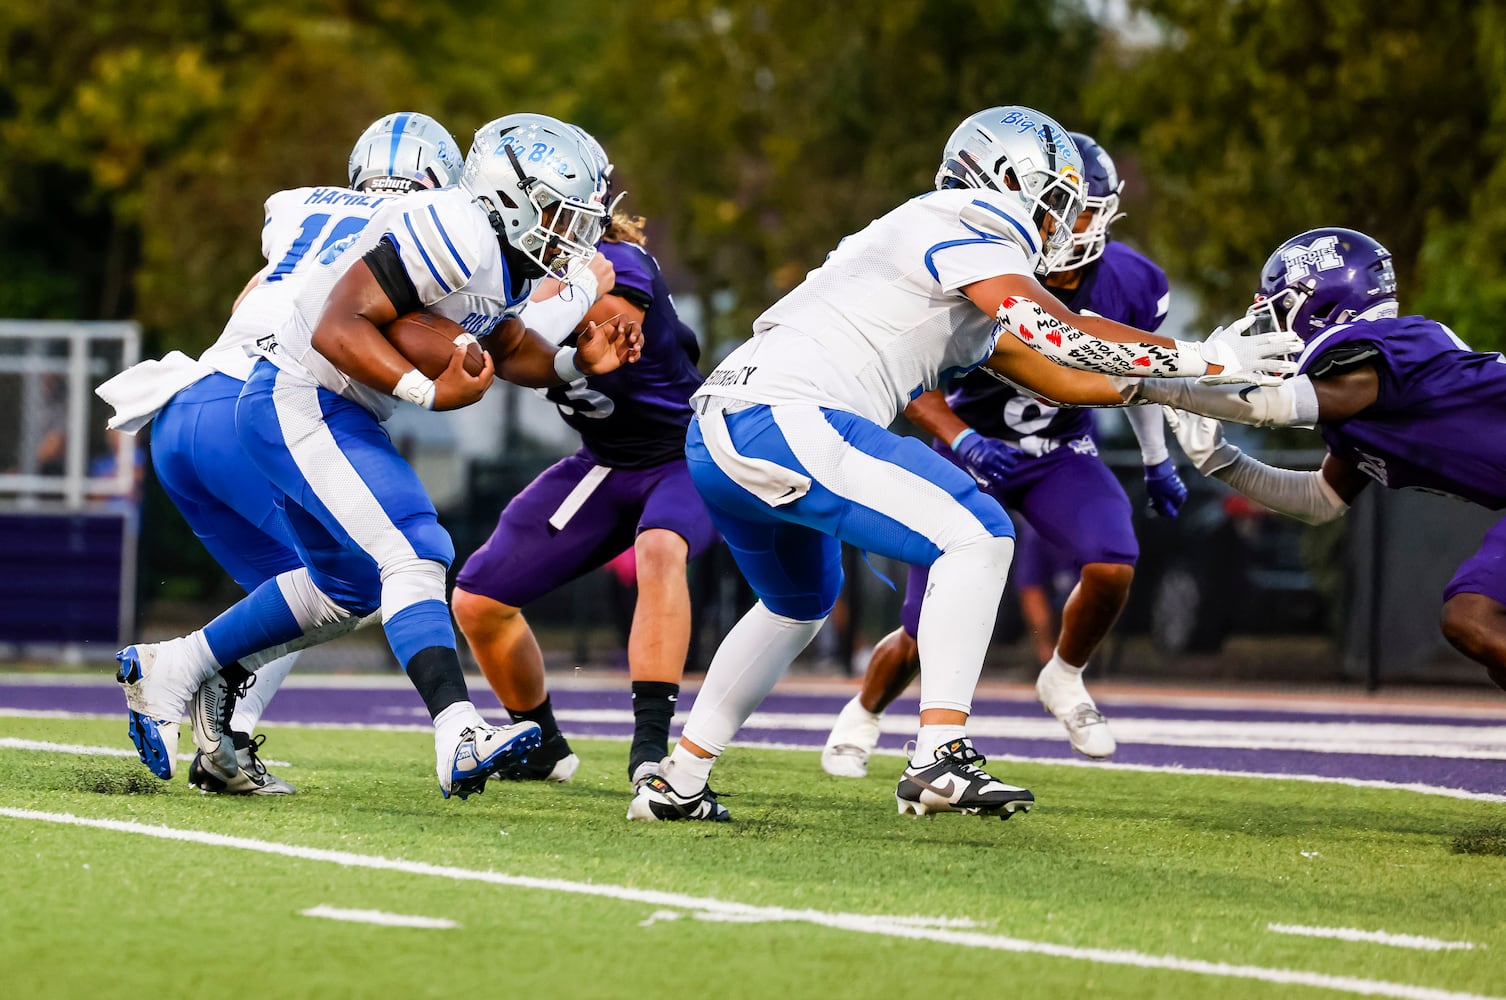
<point x="428" y="341"/>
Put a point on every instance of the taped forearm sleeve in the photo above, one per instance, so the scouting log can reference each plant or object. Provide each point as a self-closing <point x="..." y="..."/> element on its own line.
<point x="555" y="318"/>
<point x="1303" y="495"/>
<point x="1073" y="348"/>
<point x="1293" y="403"/>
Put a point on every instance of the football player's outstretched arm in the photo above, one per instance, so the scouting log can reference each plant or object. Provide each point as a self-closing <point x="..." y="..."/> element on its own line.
<point x="1092" y="343"/>
<point x="349" y="334"/>
<point x="525" y="357"/>
<point x="1299" y="401"/>
<point x="1036" y="373"/>
<point x="1314" y="497"/>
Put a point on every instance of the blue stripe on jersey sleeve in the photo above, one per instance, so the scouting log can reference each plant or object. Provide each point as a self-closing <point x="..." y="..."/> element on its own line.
<point x="446" y="237"/>
<point x="931" y="253"/>
<point x="424" y="254"/>
<point x="1030" y="240"/>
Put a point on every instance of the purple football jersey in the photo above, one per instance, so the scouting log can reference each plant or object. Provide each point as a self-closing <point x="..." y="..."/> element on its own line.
<point x="1435" y="425"/>
<point x="635" y="417"/>
<point x="1122" y="285"/>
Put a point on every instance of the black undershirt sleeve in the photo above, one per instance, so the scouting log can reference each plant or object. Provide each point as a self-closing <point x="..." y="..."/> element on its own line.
<point x="636" y="296"/>
<point x="387" y="267"/>
<point x="1342" y="359"/>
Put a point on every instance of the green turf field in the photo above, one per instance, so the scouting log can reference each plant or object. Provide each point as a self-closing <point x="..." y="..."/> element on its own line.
<point x="1124" y="884"/>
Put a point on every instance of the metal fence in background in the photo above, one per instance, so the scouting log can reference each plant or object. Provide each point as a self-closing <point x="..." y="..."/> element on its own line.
<point x="69" y="493"/>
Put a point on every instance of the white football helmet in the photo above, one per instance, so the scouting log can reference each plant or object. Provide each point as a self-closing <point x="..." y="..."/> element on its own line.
<point x="1021" y="150"/>
<point x="542" y="188"/>
<point x="404" y="152"/>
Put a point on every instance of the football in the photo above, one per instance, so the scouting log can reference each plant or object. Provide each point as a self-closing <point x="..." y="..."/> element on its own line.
<point x="428" y="341"/>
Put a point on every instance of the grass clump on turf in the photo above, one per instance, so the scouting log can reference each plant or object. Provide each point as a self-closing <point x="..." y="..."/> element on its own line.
<point x="105" y="780"/>
<point x="1487" y="839"/>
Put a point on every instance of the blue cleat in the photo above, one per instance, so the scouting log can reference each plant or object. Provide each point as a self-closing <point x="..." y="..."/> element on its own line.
<point x="153" y="730"/>
<point x="481" y="750"/>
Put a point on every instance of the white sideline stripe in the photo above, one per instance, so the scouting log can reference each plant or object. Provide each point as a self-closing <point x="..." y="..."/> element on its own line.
<point x="11" y="743"/>
<point x="377" y="917"/>
<point x="1318" y="779"/>
<point x="990" y="693"/>
<point x="856" y="922"/>
<point x="1373" y="937"/>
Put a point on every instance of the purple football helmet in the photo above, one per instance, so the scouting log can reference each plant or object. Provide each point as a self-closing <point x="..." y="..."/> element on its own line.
<point x="1324" y="277"/>
<point x="1101" y="198"/>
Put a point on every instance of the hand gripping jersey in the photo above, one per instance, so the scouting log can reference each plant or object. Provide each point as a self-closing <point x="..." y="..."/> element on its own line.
<point x="884" y="318"/>
<point x="451" y="255"/>
<point x="635" y="417"/>
<point x="1122" y="286"/>
<point x="302" y="226"/>
<point x="1436" y="423"/>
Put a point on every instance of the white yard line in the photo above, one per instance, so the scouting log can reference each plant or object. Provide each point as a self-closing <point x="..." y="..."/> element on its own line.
<point x="1388" y="786"/>
<point x="725" y="909"/>
<point x="378" y="917"/>
<point x="79" y="749"/>
<point x="1372" y="937"/>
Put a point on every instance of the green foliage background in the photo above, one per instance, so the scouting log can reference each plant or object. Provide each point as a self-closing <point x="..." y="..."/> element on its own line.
<point x="140" y="141"/>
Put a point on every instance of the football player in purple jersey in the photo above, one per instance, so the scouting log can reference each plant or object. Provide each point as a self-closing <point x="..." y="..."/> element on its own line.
<point x="1398" y="399"/>
<point x="627" y="487"/>
<point x="1042" y="461"/>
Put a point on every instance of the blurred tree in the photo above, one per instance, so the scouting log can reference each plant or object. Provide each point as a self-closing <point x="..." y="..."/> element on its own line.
<point x="1256" y="120"/>
<point x="764" y="132"/>
<point x="142" y="142"/>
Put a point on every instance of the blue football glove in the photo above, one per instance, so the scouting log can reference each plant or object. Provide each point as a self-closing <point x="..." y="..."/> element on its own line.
<point x="988" y="460"/>
<point x="1165" y="488"/>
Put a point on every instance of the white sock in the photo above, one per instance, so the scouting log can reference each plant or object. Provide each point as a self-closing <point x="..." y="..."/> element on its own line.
<point x="449" y="723"/>
<point x="686" y="773"/>
<point x="249" y="708"/>
<point x="854" y="712"/>
<point x="747" y="665"/>
<point x="1057" y="663"/>
<point x="957" y="620"/>
<point x="929" y="738"/>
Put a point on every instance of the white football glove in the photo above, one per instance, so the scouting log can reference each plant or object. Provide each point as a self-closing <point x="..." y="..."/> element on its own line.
<point x="1261" y="358"/>
<point x="1202" y="439"/>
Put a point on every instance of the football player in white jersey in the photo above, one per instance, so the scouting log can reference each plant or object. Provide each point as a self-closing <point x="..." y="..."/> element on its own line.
<point x="230" y="505"/>
<point x="309" y="418"/>
<point x="791" y="454"/>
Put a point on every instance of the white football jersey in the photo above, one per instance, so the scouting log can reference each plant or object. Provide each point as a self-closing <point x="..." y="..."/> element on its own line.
<point x="302" y="226"/>
<point x="451" y="255"/>
<point x="884" y="318"/>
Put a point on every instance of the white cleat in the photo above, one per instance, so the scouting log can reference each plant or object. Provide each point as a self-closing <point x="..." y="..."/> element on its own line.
<point x="464" y="765"/>
<point x="155" y="710"/>
<point x="1065" y="697"/>
<point x="648" y="769"/>
<point x="956" y="782"/>
<point x="851" y="742"/>
<point x="209" y="718"/>
<point x="250" y="776"/>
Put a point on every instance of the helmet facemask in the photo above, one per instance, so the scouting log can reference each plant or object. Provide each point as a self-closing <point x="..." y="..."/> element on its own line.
<point x="1059" y="199"/>
<point x="564" y="238"/>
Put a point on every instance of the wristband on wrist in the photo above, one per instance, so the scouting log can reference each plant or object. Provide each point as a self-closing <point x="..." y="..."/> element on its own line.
<point x="961" y="437"/>
<point x="564" y="365"/>
<point x="415" y="388"/>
